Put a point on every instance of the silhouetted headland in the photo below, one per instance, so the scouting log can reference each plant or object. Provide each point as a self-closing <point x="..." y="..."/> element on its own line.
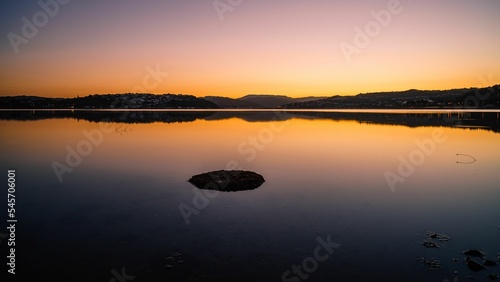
<point x="467" y="98"/>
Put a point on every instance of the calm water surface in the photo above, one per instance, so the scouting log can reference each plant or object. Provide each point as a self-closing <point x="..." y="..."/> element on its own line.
<point x="118" y="207"/>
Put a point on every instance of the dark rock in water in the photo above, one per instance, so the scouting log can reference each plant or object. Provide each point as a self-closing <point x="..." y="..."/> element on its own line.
<point x="471" y="277"/>
<point x="474" y="265"/>
<point x="474" y="253"/>
<point x="433" y="264"/>
<point x="227" y="180"/>
<point x="440" y="237"/>
<point x="429" y="244"/>
<point x="175" y="258"/>
<point x="492" y="276"/>
<point x="489" y="263"/>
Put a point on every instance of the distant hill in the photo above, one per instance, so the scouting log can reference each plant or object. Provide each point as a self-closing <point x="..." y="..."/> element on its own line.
<point x="488" y="97"/>
<point x="254" y="101"/>
<point x="268" y="101"/>
<point x="231" y="103"/>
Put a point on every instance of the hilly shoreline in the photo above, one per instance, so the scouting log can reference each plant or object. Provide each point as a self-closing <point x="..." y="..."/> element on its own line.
<point x="468" y="98"/>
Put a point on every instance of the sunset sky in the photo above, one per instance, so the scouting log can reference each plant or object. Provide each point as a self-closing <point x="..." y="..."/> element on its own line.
<point x="289" y="47"/>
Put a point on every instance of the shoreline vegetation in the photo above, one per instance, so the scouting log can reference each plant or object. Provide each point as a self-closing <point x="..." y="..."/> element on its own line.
<point x="469" y="98"/>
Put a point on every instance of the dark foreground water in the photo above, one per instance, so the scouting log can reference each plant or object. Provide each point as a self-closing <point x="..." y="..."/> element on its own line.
<point x="349" y="196"/>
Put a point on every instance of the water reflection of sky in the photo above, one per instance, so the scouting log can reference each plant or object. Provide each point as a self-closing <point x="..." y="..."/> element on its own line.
<point x="323" y="177"/>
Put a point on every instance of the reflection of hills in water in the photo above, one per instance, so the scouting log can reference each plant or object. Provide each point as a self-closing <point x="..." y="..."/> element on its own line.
<point x="471" y="120"/>
<point x="106" y="116"/>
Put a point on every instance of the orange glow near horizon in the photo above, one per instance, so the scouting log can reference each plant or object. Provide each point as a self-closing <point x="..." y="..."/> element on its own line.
<point x="277" y="48"/>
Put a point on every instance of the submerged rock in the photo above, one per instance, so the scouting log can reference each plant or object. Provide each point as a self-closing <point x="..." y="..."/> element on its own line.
<point x="228" y="180"/>
<point x="474" y="265"/>
<point x="432" y="264"/>
<point x="175" y="258"/>
<point x="429" y="244"/>
<point x="440" y="237"/>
